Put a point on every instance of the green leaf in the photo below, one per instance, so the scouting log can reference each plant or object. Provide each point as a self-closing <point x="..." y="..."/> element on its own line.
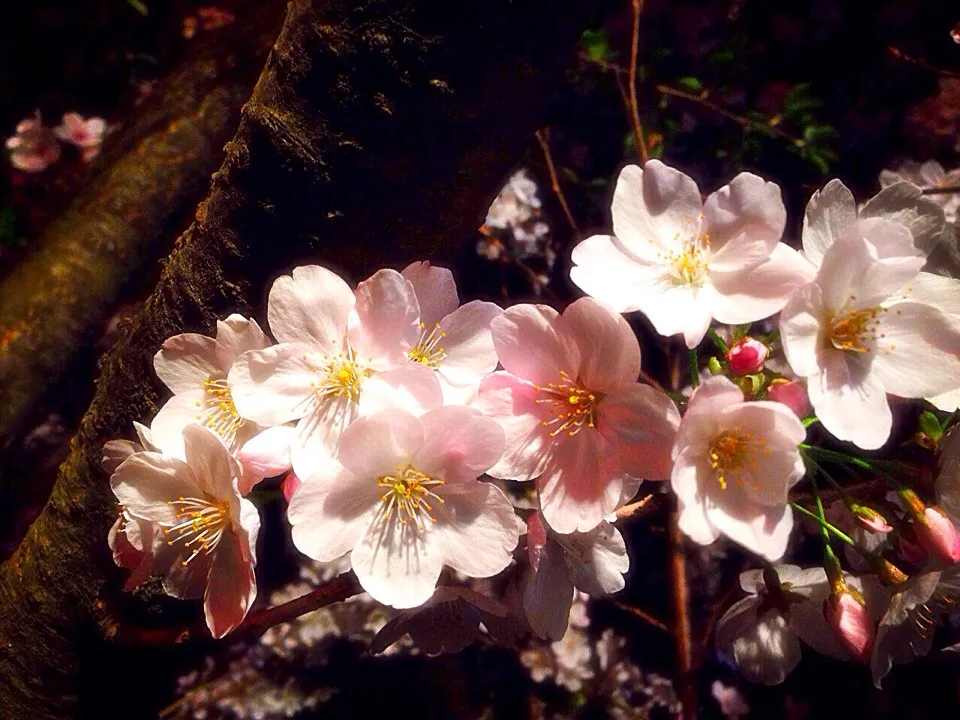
<point x="930" y="426"/>
<point x="596" y="45"/>
<point x="690" y="83"/>
<point x="139" y="6"/>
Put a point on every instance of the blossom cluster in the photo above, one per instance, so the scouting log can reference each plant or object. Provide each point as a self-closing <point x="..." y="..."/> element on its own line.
<point x="35" y="147"/>
<point x="394" y="412"/>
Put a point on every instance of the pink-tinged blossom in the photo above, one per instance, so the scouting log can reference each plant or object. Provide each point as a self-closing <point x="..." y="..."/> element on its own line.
<point x="87" y="135"/>
<point x="289" y="485"/>
<point x="871" y="323"/>
<point x="684" y="262"/>
<point x="576" y="419"/>
<point x="406" y="501"/>
<point x="763" y="631"/>
<point x="340" y="356"/>
<point x="34" y="147"/>
<point x="207" y="532"/>
<point x="937" y="535"/>
<point x="195" y="368"/>
<point x="847" y="614"/>
<point x="731" y="701"/>
<point x="734" y="463"/>
<point x="455" y="341"/>
<point x="593" y="562"/>
<point x="928" y="176"/>
<point x="746" y="356"/>
<point x="870" y="519"/>
<point x="131" y="539"/>
<point x="792" y="394"/>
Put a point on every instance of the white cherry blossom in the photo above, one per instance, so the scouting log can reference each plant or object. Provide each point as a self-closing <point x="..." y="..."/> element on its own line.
<point x="404" y="501"/>
<point x="455" y="341"/>
<point x="734" y="463"/>
<point x="684" y="262"/>
<point x="206" y="531"/>
<point x="340" y="356"/>
<point x="871" y="323"/>
<point x="575" y="417"/>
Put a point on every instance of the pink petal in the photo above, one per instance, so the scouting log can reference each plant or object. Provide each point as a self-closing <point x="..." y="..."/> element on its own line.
<point x="185" y="361"/>
<point x="310" y="305"/>
<point x="476" y="529"/>
<point x="275" y="385"/>
<point x="745" y="222"/>
<point x="389" y="316"/>
<point x="146" y="483"/>
<point x="529" y="345"/>
<point x="214" y="469"/>
<point x="231" y="588"/>
<point x="459" y="444"/>
<point x="607" y="346"/>
<point x="640" y="424"/>
<point x="412" y="387"/>
<point x="470" y="353"/>
<point x="178" y="412"/>
<point x="376" y="445"/>
<point x="267" y="454"/>
<point x="235" y="336"/>
<point x="549" y="594"/>
<point x="713" y="396"/>
<point x="435" y="288"/>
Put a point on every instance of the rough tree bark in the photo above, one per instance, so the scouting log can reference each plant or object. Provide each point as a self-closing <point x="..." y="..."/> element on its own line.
<point x="54" y="303"/>
<point x="374" y="135"/>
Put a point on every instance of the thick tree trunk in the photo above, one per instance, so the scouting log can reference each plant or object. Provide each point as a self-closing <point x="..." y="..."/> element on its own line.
<point x="374" y="135"/>
<point x="54" y="304"/>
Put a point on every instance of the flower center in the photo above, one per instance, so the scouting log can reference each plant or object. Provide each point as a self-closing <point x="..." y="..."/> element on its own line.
<point x="572" y="405"/>
<point x="200" y="525"/>
<point x="689" y="266"/>
<point x="218" y="411"/>
<point x="850" y="331"/>
<point x="341" y="376"/>
<point x="729" y="452"/>
<point x="408" y="492"/>
<point x="428" y="350"/>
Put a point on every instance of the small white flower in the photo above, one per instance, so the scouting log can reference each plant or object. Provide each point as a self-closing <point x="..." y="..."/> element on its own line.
<point x="684" y="262"/>
<point x="206" y="531"/>
<point x="734" y="463"/>
<point x="928" y="175"/>
<point x="405" y="501"/>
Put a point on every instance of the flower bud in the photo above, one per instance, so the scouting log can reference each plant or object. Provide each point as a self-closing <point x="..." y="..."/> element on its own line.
<point x="846" y="612"/>
<point x="713" y="365"/>
<point x="888" y="573"/>
<point x="536" y="539"/>
<point x="746" y="356"/>
<point x="938" y="535"/>
<point x="870" y="518"/>
<point x="792" y="394"/>
<point x="289" y="485"/>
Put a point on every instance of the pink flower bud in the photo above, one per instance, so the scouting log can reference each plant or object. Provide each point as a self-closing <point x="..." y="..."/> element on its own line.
<point x="938" y="535"/>
<point x="910" y="551"/>
<point x="536" y="539"/>
<point x="846" y="612"/>
<point x="792" y="394"/>
<point x="290" y="484"/>
<point x="870" y="518"/>
<point x="746" y="356"/>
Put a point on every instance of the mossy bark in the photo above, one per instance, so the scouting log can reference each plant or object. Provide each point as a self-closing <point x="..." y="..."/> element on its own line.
<point x="374" y="136"/>
<point x="156" y="168"/>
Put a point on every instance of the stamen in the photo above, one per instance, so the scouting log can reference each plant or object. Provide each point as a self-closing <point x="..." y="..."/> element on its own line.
<point x="407" y="492"/>
<point x="200" y="525"/>
<point x="428" y="351"/>
<point x="853" y="330"/>
<point x="574" y="407"/>
<point x="731" y="451"/>
<point x="342" y="374"/>
<point x="218" y="411"/>
<point x="689" y="266"/>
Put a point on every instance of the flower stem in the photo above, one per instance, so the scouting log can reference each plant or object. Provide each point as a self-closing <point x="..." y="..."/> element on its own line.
<point x="839" y="457"/>
<point x="694" y="368"/>
<point x="718" y="341"/>
<point x="824" y="524"/>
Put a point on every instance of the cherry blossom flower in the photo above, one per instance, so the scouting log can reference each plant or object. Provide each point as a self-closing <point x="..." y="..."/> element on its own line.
<point x="926" y="176"/>
<point x="406" y="501"/>
<point x="683" y="262"/>
<point x="207" y="532"/>
<point x="575" y="418"/>
<point x="131" y="539"/>
<point x="341" y="355"/>
<point x="731" y="701"/>
<point x="762" y="632"/>
<point x="195" y="368"/>
<point x="87" y="135"/>
<point x="455" y="341"/>
<point x="734" y="462"/>
<point x="847" y="613"/>
<point x="593" y="562"/>
<point x="870" y="324"/>
<point x="34" y="147"/>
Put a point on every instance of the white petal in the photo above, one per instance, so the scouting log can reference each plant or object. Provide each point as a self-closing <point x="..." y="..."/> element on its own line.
<point x="699" y="422"/>
<point x="763" y="530"/>
<point x="267" y="454"/>
<point x="549" y="594"/>
<point x="745" y="222"/>
<point x="412" y="387"/>
<point x="596" y="560"/>
<point x="377" y="445"/>
<point x="905" y="203"/>
<point x="319" y="432"/>
<point x="168" y="424"/>
<point x="801" y="324"/>
<point x="470" y="353"/>
<point x="530" y="346"/>
<point x="185" y="361"/>
<point x="146" y="484"/>
<point x="605" y="270"/>
<point x="652" y="205"/>
<point x="830" y="212"/>
<point x="235" y="336"/>
<point x="275" y="385"/>
<point x="435" y="288"/>
<point x="476" y="529"/>
<point x="310" y="305"/>
<point x="766" y="651"/>
<point x="851" y="401"/>
<point x="687" y="480"/>
<point x="389" y="317"/>
<point x="459" y="443"/>
<point x="214" y="469"/>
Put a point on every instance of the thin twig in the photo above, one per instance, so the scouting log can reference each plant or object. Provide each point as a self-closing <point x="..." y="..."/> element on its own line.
<point x="702" y="98"/>
<point x="643" y="615"/>
<point x="632" y="82"/>
<point x="682" y="632"/>
<point x="718" y="609"/>
<point x="637" y="509"/>
<point x="920" y="62"/>
<point x="334" y="591"/>
<point x="542" y="137"/>
<point x="941" y="190"/>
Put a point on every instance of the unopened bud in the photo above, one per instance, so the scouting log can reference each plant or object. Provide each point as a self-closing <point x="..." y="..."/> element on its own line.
<point x="846" y="612"/>
<point x="938" y="535"/>
<point x="713" y="365"/>
<point x="912" y="503"/>
<point x="888" y="573"/>
<point x="790" y="393"/>
<point x="746" y="356"/>
<point x="870" y="518"/>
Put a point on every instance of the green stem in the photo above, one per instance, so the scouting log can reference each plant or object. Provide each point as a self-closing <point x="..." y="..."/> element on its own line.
<point x="840" y="457"/>
<point x="694" y="368"/>
<point x="824" y="524"/>
<point x="820" y="511"/>
<point x="718" y="341"/>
